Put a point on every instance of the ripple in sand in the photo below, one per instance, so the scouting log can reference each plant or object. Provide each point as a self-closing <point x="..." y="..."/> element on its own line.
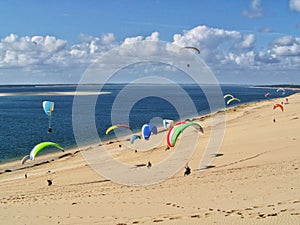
<point x="158" y="220"/>
<point x="195" y="216"/>
<point x="175" y="218"/>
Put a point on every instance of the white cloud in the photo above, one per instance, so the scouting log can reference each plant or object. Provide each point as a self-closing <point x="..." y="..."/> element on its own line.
<point x="153" y="37"/>
<point x="216" y="45"/>
<point x="255" y="10"/>
<point x="108" y="39"/>
<point x="205" y="36"/>
<point x="295" y="5"/>
<point x="221" y="49"/>
<point x="248" y="42"/>
<point x="265" y="30"/>
<point x="286" y="46"/>
<point x="285" y="40"/>
<point x="266" y="58"/>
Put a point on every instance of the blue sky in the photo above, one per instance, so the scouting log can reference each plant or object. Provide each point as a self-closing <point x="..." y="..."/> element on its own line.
<point x="256" y="41"/>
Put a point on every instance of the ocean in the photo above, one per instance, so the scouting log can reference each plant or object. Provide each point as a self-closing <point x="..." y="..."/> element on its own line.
<point x="23" y="123"/>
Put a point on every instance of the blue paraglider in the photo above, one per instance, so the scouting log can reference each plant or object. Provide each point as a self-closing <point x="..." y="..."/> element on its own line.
<point x="48" y="109"/>
<point x="134" y="137"/>
<point x="147" y="130"/>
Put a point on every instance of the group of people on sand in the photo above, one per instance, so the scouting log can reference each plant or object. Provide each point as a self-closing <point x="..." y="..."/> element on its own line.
<point x="49" y="181"/>
<point x="187" y="171"/>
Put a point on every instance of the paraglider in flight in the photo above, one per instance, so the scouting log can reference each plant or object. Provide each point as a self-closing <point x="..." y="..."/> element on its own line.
<point x="232" y="99"/>
<point x="178" y="128"/>
<point x="41" y="146"/>
<point x="25" y="158"/>
<point x="147" y="130"/>
<point x="38" y="148"/>
<point x="228" y="95"/>
<point x="278" y="105"/>
<point x="193" y="48"/>
<point x="116" y="126"/>
<point x="167" y="123"/>
<point x="281" y="89"/>
<point x="48" y="109"/>
<point x="134" y="137"/>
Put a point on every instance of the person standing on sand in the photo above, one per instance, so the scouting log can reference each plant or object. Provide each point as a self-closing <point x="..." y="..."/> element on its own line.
<point x="187" y="170"/>
<point x="149" y="164"/>
<point x="49" y="182"/>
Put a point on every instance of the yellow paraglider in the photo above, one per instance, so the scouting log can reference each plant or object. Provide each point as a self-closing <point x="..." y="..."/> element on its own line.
<point x="232" y="99"/>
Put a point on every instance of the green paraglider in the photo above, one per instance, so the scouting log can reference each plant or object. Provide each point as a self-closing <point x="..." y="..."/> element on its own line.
<point x="178" y="128"/>
<point x="39" y="147"/>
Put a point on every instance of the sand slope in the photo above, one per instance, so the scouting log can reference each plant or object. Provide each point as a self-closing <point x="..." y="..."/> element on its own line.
<point x="254" y="180"/>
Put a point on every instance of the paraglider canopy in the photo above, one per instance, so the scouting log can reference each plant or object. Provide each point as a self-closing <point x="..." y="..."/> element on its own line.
<point x="25" y="158"/>
<point x="147" y="130"/>
<point x="282" y="90"/>
<point x="48" y="107"/>
<point x="178" y="128"/>
<point x="232" y="99"/>
<point x="41" y="146"/>
<point x="228" y="95"/>
<point x="278" y="105"/>
<point x="134" y="137"/>
<point x="193" y="48"/>
<point x="167" y="123"/>
<point x="116" y="126"/>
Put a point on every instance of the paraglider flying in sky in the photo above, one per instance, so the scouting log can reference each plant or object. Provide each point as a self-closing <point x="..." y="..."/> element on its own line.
<point x="39" y="147"/>
<point x="134" y="137"/>
<point x="167" y="123"/>
<point x="282" y="90"/>
<point x="193" y="48"/>
<point x="232" y="99"/>
<point x="178" y="128"/>
<point x="228" y="95"/>
<point x="117" y="126"/>
<point x="278" y="106"/>
<point x="48" y="107"/>
<point x="147" y="130"/>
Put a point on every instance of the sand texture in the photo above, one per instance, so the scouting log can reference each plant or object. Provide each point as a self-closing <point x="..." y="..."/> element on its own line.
<point x="254" y="179"/>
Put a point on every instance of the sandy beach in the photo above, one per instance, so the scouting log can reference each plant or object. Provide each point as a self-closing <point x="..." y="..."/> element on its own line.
<point x="254" y="179"/>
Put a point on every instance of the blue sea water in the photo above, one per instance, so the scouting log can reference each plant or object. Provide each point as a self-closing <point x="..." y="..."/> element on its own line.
<point x="23" y="123"/>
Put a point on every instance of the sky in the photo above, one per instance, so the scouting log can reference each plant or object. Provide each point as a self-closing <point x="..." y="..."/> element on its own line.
<point x="242" y="42"/>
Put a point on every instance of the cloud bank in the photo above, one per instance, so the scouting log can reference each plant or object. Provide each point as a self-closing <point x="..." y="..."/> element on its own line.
<point x="223" y="50"/>
<point x="295" y="5"/>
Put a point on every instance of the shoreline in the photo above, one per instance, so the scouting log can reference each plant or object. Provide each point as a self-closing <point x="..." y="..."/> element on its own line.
<point x="60" y="93"/>
<point x="53" y="156"/>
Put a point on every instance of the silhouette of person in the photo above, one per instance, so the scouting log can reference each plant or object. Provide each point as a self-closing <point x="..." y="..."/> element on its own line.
<point x="149" y="164"/>
<point x="49" y="182"/>
<point x="187" y="170"/>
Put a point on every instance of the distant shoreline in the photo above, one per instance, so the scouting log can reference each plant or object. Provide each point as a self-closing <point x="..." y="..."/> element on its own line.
<point x="60" y="93"/>
<point x="91" y="84"/>
<point x="290" y="86"/>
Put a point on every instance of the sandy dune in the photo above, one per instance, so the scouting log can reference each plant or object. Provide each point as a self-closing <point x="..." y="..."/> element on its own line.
<point x="254" y="179"/>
